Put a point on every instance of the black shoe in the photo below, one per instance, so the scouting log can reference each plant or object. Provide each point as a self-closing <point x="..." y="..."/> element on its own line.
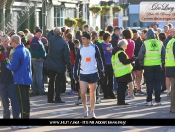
<point x="60" y="101"/>
<point x="52" y="101"/>
<point x="112" y="97"/>
<point x="122" y="104"/>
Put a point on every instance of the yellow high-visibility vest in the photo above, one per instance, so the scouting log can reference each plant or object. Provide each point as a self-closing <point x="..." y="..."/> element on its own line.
<point x="153" y="52"/>
<point x="119" y="68"/>
<point x="169" y="57"/>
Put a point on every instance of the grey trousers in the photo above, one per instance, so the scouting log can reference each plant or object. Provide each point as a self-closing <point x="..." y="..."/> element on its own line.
<point x="172" y="95"/>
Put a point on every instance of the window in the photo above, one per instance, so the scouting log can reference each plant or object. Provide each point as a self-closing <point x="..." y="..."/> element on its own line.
<point x="61" y="14"/>
<point x="58" y="17"/>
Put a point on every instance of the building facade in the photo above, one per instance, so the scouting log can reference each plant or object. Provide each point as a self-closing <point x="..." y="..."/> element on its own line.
<point x="21" y="14"/>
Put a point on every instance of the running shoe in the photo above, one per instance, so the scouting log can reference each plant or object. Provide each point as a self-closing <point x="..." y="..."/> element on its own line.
<point x="148" y="103"/>
<point x="157" y="103"/>
<point x="85" y="112"/>
<point x="92" y="115"/>
<point x="128" y="97"/>
<point x="139" y="92"/>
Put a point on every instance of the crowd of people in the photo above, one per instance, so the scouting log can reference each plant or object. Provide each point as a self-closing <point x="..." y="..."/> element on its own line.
<point x="111" y="62"/>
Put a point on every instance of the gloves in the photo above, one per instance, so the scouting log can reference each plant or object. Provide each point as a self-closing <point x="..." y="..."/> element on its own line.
<point x="76" y="78"/>
<point x="7" y="60"/>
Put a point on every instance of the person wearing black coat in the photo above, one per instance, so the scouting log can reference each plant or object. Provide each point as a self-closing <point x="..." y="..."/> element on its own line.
<point x="115" y="37"/>
<point x="125" y="79"/>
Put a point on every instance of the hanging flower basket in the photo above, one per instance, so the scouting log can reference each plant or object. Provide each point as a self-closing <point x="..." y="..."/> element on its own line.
<point x="80" y="22"/>
<point x="70" y="22"/>
<point x="95" y="9"/>
<point x="105" y="9"/>
<point x="116" y="9"/>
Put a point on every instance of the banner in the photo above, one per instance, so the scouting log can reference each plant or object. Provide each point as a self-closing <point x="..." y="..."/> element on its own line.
<point x="88" y="122"/>
<point x="157" y="11"/>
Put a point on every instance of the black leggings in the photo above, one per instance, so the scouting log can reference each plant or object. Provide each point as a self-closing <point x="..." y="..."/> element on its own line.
<point x="121" y="92"/>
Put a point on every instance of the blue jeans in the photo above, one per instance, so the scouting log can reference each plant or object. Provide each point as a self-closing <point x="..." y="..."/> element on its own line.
<point x="38" y="84"/>
<point x="8" y="91"/>
<point x="153" y="81"/>
<point x="115" y="84"/>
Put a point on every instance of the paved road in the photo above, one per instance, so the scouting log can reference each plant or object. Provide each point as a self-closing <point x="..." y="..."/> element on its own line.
<point x="107" y="109"/>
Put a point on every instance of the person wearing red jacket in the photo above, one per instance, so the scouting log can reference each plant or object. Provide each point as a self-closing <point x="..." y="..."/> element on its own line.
<point x="72" y="58"/>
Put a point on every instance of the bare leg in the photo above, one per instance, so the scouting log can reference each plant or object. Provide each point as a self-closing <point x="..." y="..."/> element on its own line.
<point x="92" y="95"/>
<point x="130" y="88"/>
<point x="138" y="79"/>
<point x="83" y="89"/>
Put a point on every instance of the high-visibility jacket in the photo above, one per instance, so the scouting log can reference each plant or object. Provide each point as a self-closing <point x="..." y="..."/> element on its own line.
<point x="169" y="57"/>
<point x="119" y="68"/>
<point x="153" y="52"/>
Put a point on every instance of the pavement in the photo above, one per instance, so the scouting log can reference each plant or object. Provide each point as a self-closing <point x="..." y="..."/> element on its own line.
<point x="107" y="109"/>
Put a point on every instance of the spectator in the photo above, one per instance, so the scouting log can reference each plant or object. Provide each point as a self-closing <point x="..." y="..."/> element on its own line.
<point x="72" y="57"/>
<point x="30" y="36"/>
<point x="26" y="32"/>
<point x="100" y="38"/>
<point x="170" y="68"/>
<point x="170" y="36"/>
<point x="143" y="35"/>
<point x="109" y="29"/>
<point x="45" y="43"/>
<point x="78" y="36"/>
<point x="155" y="28"/>
<point x="97" y="29"/>
<point x="38" y="54"/>
<point x="162" y="37"/>
<point x="47" y="31"/>
<point x="57" y="59"/>
<point x="122" y="70"/>
<point x="20" y="65"/>
<point x="68" y="31"/>
<point x="128" y="35"/>
<point x="168" y="72"/>
<point x="7" y="87"/>
<point x="137" y="70"/>
<point x="23" y="39"/>
<point x="166" y="30"/>
<point x="170" y="26"/>
<point x="86" y="29"/>
<point x="115" y="36"/>
<point x="77" y="85"/>
<point x="35" y="28"/>
<point x="159" y="30"/>
<point x="108" y="84"/>
<point x="152" y="56"/>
